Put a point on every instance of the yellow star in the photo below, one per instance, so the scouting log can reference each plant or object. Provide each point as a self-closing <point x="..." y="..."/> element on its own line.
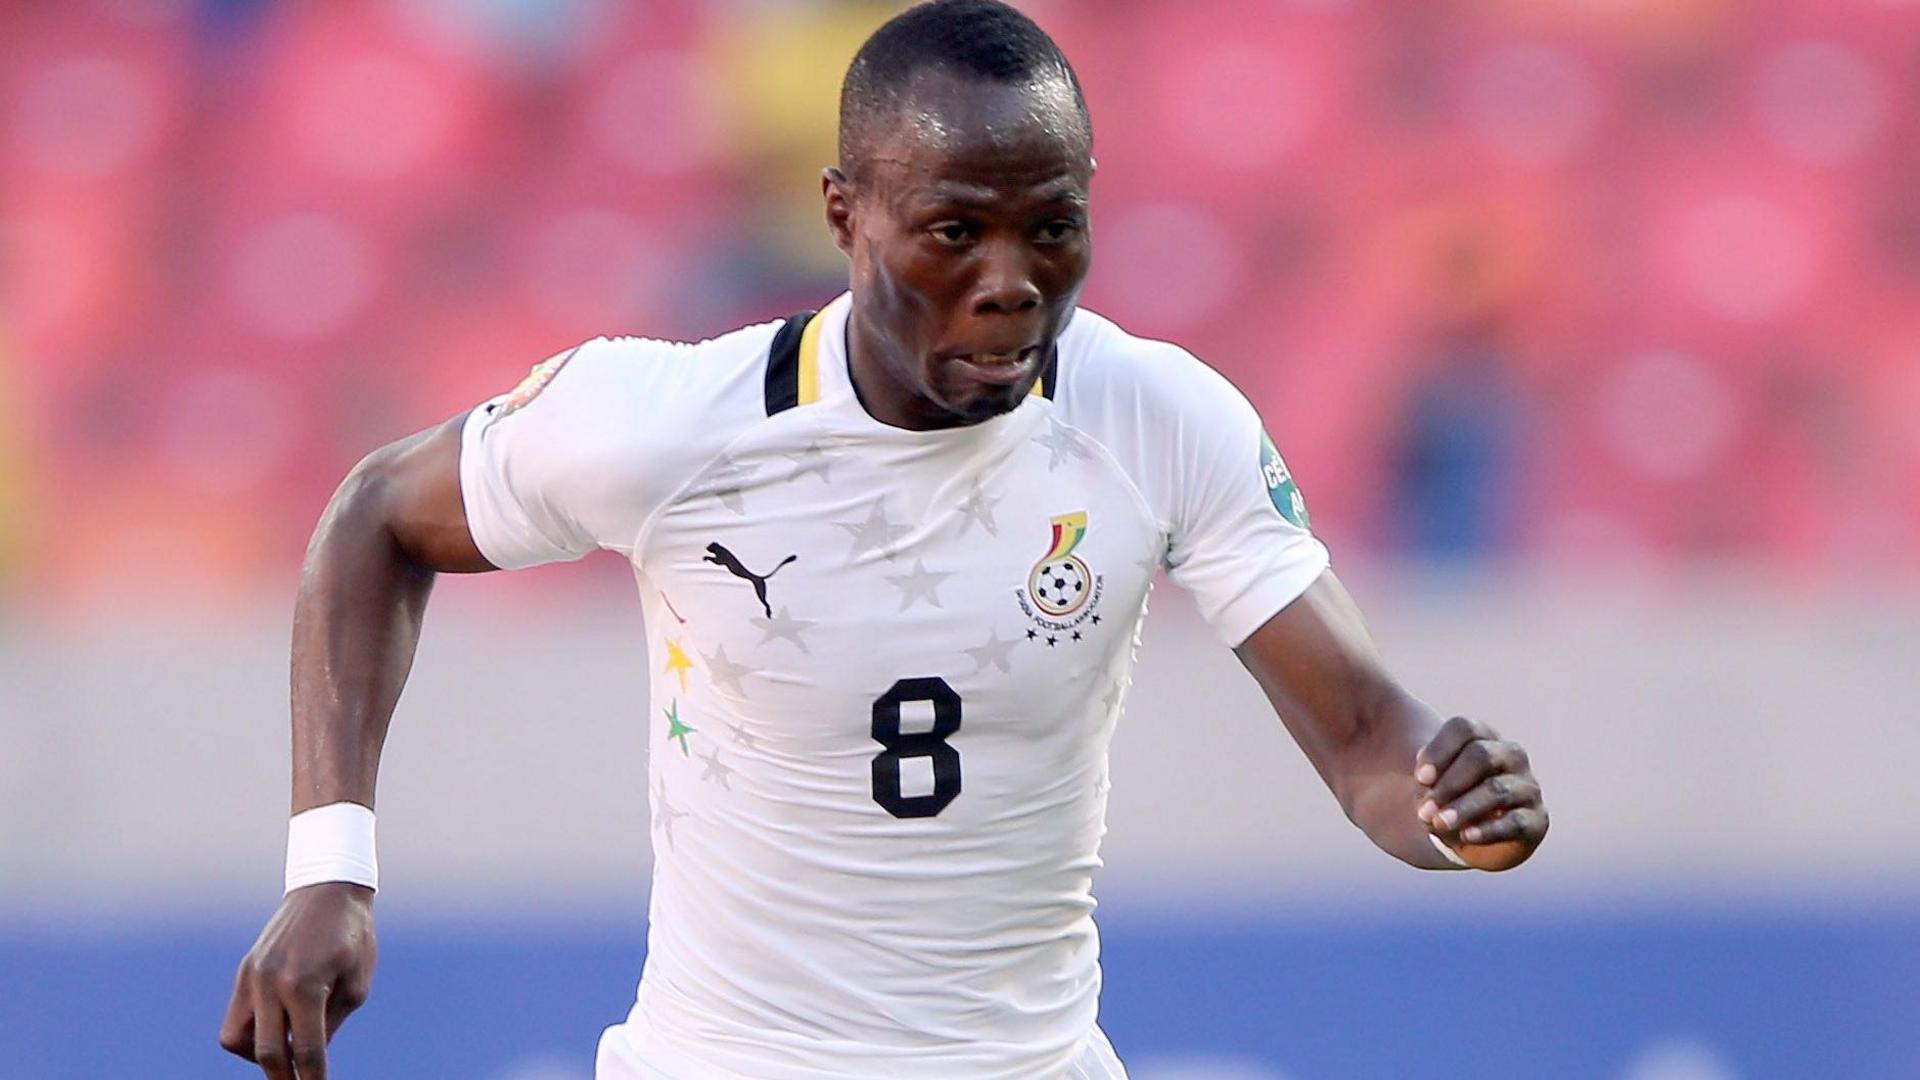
<point x="677" y="662"/>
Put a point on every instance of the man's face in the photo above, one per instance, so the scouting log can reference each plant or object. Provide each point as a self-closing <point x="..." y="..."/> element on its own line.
<point x="967" y="230"/>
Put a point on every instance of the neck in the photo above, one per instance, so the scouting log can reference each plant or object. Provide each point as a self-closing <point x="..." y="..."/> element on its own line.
<point x="879" y="390"/>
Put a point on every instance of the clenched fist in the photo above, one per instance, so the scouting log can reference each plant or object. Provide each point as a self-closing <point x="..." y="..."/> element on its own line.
<point x="1481" y="797"/>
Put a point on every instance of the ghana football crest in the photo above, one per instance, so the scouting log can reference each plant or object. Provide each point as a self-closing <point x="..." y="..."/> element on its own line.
<point x="1062" y="592"/>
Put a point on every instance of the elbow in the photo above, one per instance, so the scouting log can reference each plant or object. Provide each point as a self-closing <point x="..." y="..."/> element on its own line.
<point x="374" y="475"/>
<point x="360" y="515"/>
<point x="360" y="502"/>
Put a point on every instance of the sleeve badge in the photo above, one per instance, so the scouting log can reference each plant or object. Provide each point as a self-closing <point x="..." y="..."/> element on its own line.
<point x="1280" y="486"/>
<point x="530" y="387"/>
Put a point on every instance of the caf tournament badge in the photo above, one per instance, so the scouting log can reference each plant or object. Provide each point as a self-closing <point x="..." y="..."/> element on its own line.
<point x="1280" y="485"/>
<point x="1062" y="592"/>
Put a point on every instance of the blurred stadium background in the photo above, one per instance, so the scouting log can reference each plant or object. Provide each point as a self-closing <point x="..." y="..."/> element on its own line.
<point x="1592" y="329"/>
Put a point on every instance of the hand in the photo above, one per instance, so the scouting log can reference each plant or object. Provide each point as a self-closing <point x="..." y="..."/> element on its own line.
<point x="311" y="967"/>
<point x="1481" y="798"/>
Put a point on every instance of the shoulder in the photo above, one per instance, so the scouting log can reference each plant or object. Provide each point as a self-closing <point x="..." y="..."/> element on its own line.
<point x="624" y="388"/>
<point x="596" y="437"/>
<point x="639" y="370"/>
<point x="1118" y="382"/>
<point x="1174" y="425"/>
<point x="618" y="408"/>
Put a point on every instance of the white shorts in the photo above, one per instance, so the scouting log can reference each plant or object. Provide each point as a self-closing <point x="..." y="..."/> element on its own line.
<point x="618" y="1059"/>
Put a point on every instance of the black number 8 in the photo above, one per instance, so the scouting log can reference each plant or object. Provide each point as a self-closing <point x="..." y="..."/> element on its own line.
<point x="928" y="744"/>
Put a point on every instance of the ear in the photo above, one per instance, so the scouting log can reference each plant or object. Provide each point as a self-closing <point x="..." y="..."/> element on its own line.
<point x="839" y="195"/>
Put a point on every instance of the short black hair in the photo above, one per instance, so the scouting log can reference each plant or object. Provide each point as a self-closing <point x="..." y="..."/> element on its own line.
<point x="983" y="39"/>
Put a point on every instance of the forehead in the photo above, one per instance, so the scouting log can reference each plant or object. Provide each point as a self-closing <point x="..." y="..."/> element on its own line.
<point x="954" y="135"/>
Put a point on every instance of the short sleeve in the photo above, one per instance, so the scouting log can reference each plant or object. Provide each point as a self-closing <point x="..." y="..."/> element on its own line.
<point x="1241" y="540"/>
<point x="540" y="467"/>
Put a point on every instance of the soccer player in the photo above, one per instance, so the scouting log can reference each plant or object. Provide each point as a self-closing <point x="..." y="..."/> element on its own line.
<point x="894" y="555"/>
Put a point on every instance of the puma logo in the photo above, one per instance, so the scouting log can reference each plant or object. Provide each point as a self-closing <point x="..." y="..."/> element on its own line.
<point x="720" y="556"/>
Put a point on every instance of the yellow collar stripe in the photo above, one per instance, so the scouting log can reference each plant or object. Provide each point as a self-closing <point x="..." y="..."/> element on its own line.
<point x="793" y="366"/>
<point x="1049" y="380"/>
<point x="810" y="362"/>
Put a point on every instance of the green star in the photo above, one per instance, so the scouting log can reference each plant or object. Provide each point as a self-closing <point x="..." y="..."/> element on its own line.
<point x="676" y="729"/>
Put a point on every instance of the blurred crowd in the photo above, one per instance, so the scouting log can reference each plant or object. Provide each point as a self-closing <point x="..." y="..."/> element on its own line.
<point x="1586" y="283"/>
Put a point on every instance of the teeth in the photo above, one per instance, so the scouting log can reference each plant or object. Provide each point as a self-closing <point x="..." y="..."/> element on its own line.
<point x="996" y="358"/>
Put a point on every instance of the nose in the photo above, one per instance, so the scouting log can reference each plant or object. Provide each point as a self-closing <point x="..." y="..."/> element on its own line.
<point x="1005" y="285"/>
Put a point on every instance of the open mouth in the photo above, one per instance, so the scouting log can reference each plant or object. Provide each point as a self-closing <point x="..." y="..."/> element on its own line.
<point x="1000" y="368"/>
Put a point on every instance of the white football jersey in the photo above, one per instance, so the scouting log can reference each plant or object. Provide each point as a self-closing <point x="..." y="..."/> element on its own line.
<point x="886" y="666"/>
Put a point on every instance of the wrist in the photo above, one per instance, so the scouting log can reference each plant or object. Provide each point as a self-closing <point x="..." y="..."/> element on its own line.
<point x="334" y="894"/>
<point x="332" y="843"/>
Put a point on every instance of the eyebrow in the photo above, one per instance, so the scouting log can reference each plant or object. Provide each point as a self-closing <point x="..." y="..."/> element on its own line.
<point x="977" y="196"/>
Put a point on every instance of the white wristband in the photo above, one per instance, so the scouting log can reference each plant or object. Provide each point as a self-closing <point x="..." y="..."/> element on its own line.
<point x="1448" y="853"/>
<point x="332" y="843"/>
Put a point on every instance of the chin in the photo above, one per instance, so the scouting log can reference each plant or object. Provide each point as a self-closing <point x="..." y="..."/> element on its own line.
<point x="987" y="406"/>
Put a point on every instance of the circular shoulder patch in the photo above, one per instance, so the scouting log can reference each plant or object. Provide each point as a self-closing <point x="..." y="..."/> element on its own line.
<point x="530" y="387"/>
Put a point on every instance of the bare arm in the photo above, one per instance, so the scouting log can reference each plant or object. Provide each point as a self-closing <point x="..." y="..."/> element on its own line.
<point x="1395" y="767"/>
<point x="396" y="521"/>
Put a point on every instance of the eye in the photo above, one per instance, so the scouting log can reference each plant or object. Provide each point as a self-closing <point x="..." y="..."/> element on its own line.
<point x="952" y="233"/>
<point x="1059" y="230"/>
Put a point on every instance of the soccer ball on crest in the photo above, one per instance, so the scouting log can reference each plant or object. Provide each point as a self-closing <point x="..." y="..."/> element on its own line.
<point x="1060" y="587"/>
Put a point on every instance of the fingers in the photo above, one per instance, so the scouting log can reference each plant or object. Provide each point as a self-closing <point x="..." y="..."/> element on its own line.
<point x="309" y="1030"/>
<point x="1434" y="758"/>
<point x="236" y="1031"/>
<point x="1474" y="763"/>
<point x="284" y="1025"/>
<point x="1527" y="823"/>
<point x="270" y="1049"/>
<point x="348" y="994"/>
<point x="1503" y="791"/>
<point x="1481" y="793"/>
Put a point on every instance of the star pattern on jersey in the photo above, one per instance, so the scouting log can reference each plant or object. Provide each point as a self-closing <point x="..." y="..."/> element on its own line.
<point x="1062" y="443"/>
<point x="996" y="652"/>
<point x="677" y="662"/>
<point x="664" y="815"/>
<point x="743" y="737"/>
<point x="786" y="627"/>
<point x="921" y="584"/>
<point x="979" y="508"/>
<point x="715" y="771"/>
<point x="730" y="484"/>
<point x="812" y="461"/>
<point x="676" y="728"/>
<point x="725" y="672"/>
<point x="876" y="533"/>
